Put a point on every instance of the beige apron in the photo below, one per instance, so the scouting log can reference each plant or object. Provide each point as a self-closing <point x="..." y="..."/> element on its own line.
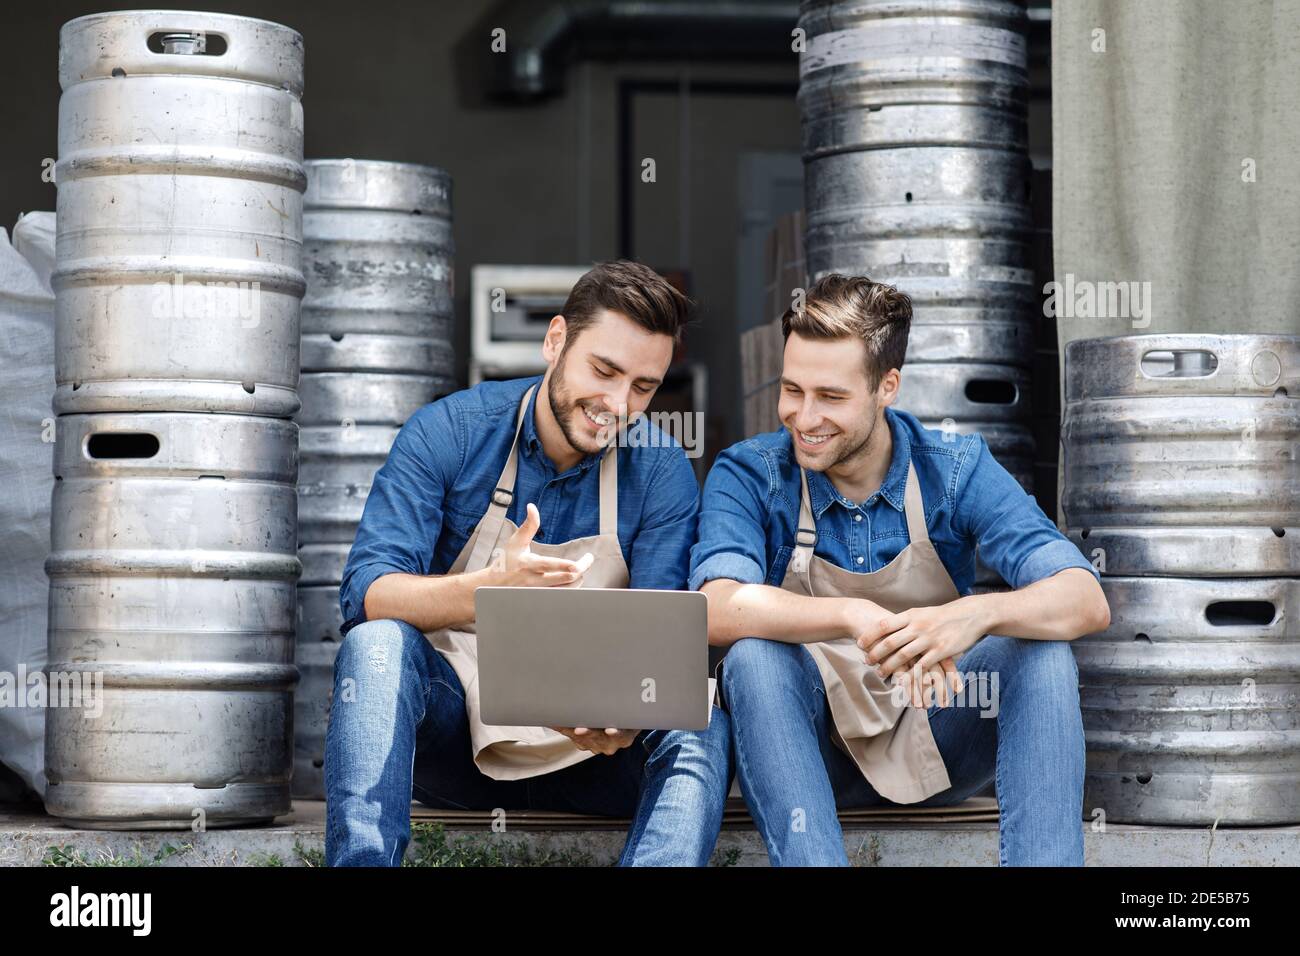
<point x="891" y="742"/>
<point x="512" y="753"/>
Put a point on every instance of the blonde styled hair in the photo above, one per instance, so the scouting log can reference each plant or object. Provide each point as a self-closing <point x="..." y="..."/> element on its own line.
<point x="840" y="306"/>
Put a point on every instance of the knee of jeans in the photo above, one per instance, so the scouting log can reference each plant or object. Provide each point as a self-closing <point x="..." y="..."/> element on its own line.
<point x="712" y="744"/>
<point x="377" y="647"/>
<point x="757" y="664"/>
<point x="1047" y="664"/>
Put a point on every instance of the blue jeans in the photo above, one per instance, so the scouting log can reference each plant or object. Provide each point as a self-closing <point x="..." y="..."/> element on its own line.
<point x="398" y="727"/>
<point x="786" y="761"/>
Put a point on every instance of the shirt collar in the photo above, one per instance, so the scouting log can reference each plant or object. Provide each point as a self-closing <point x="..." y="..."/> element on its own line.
<point x="822" y="493"/>
<point x="532" y="442"/>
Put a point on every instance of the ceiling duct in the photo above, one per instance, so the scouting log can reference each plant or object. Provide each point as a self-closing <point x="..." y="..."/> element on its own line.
<point x="543" y="38"/>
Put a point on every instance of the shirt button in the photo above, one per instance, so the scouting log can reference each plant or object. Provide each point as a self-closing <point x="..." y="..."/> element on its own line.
<point x="859" y="560"/>
<point x="857" y="517"/>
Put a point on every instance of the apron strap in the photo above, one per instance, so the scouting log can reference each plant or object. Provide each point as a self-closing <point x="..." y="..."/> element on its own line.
<point x="805" y="538"/>
<point x="489" y="528"/>
<point x="914" y="508"/>
<point x="609" y="491"/>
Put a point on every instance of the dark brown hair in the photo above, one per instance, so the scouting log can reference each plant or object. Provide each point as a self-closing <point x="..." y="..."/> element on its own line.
<point x="840" y="306"/>
<point x="630" y="289"/>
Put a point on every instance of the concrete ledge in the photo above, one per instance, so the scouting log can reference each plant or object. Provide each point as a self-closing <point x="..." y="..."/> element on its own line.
<point x="27" y="836"/>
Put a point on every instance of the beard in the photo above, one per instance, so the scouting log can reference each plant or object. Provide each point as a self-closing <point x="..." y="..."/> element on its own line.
<point x="566" y="409"/>
<point x="854" y="448"/>
<point x="854" y="445"/>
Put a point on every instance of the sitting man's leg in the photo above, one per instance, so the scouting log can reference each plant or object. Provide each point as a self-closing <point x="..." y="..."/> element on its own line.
<point x="1017" y="716"/>
<point x="679" y="814"/>
<point x="401" y="730"/>
<point x="673" y="783"/>
<point x="394" y="694"/>
<point x="1040" y="746"/>
<point x="779" y="718"/>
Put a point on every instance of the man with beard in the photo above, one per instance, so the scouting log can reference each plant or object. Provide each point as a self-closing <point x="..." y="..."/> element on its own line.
<point x="835" y="553"/>
<point x="520" y="483"/>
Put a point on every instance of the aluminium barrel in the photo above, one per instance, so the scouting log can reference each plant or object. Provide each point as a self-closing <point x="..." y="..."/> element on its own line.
<point x="178" y="276"/>
<point x="172" y="573"/>
<point x="1182" y="453"/>
<point x="1191" y="702"/>
<point x="377" y="345"/>
<point x="916" y="164"/>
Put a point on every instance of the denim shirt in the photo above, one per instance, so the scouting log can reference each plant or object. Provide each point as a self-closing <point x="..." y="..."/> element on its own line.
<point x="750" y="512"/>
<point x="438" y="479"/>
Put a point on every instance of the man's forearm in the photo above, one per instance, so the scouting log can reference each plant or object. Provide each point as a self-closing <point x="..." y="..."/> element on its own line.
<point x="1067" y="605"/>
<point x="427" y="602"/>
<point x="739" y="610"/>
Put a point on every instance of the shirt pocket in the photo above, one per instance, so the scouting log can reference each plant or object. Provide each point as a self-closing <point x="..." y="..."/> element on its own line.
<point x="457" y="526"/>
<point x="888" y="545"/>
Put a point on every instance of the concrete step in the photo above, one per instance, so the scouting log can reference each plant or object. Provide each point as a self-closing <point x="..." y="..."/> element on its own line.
<point x="966" y="835"/>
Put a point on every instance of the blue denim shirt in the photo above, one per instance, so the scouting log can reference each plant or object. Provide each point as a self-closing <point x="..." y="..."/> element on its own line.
<point x="436" y="484"/>
<point x="750" y="513"/>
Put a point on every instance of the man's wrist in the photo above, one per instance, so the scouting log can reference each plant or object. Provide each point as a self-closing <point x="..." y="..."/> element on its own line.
<point x="856" y="616"/>
<point x="847" y="619"/>
<point x="488" y="577"/>
<point x="986" y="610"/>
<point x="473" y="580"/>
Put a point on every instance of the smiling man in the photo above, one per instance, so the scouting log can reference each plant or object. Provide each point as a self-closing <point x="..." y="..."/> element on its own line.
<point x="838" y="554"/>
<point x="520" y="483"/>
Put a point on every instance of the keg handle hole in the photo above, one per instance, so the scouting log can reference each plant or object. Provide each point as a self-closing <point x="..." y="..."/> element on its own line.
<point x="1241" y="613"/>
<point x="1142" y="638"/>
<point x="337" y="336"/>
<point x="187" y="43"/>
<point x="250" y="387"/>
<point x="1280" y="393"/>
<point x="109" y="445"/>
<point x="1179" y="363"/>
<point x="986" y="391"/>
<point x="1279" y="532"/>
<point x="1144" y="777"/>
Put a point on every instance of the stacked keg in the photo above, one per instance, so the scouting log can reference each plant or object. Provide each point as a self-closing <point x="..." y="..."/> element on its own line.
<point x="173" y="533"/>
<point x="376" y="346"/>
<point x="1182" y="483"/>
<point x="916" y="173"/>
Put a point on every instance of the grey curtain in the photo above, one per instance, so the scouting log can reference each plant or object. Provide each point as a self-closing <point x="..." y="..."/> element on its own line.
<point x="1176" y="166"/>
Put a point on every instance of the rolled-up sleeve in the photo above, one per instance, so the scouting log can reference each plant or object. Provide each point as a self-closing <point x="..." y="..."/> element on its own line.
<point x="660" y="552"/>
<point x="403" y="515"/>
<point x="1015" y="538"/>
<point x="731" y="541"/>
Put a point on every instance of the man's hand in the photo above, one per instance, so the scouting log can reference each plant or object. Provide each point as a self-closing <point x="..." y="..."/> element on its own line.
<point x="861" y="618"/>
<point x="515" y="565"/>
<point x="606" y="742"/>
<point x="924" y="636"/>
<point x="868" y="622"/>
<point x="937" y="684"/>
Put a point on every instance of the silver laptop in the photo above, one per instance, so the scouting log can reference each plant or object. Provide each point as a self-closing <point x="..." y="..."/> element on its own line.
<point x="593" y="657"/>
